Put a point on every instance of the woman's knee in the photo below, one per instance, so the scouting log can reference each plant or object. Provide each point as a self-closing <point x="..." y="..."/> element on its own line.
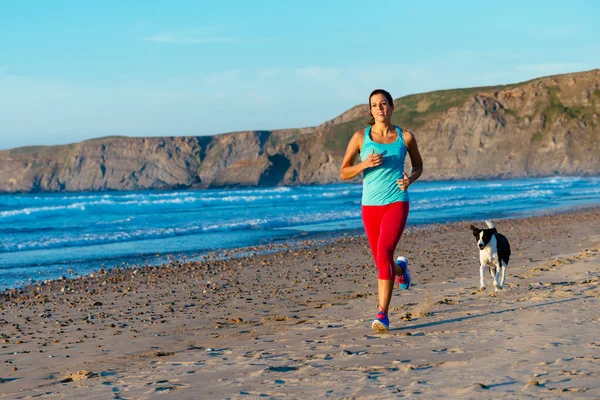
<point x="385" y="265"/>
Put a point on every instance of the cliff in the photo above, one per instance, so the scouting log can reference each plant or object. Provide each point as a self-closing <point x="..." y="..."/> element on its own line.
<point x="542" y="127"/>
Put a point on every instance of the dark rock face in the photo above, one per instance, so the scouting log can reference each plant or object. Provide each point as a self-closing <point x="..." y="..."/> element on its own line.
<point x="543" y="127"/>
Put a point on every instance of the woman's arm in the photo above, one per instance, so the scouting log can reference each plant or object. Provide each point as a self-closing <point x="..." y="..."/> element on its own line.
<point x="348" y="169"/>
<point x="415" y="160"/>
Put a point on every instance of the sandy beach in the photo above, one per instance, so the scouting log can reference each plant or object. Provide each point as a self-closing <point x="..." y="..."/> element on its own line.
<point x="296" y="323"/>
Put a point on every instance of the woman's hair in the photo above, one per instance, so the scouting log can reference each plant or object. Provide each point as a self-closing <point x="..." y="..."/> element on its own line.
<point x="388" y="97"/>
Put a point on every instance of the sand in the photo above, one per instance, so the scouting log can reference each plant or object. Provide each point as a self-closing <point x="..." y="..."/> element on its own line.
<point x="296" y="323"/>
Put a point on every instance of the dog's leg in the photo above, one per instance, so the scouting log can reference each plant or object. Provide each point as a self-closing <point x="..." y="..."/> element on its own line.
<point x="481" y="280"/>
<point x="496" y="275"/>
<point x="503" y="276"/>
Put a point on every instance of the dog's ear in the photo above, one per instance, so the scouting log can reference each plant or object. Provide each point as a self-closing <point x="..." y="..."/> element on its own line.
<point x="475" y="230"/>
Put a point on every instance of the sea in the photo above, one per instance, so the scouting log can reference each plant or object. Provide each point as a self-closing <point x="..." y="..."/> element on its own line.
<point x="48" y="236"/>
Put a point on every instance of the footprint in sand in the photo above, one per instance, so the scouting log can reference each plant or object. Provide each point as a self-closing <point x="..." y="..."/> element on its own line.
<point x="167" y="386"/>
<point x="453" y="350"/>
<point x="283" y="368"/>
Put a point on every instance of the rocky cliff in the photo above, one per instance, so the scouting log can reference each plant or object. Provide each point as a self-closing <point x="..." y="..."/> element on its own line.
<point x="543" y="127"/>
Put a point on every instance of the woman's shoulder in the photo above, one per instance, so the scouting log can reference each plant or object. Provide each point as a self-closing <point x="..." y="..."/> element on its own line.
<point x="359" y="135"/>
<point x="408" y="136"/>
<point x="405" y="131"/>
<point x="358" y="139"/>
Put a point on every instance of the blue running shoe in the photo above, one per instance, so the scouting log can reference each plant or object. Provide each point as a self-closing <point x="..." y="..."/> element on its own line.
<point x="403" y="280"/>
<point x="381" y="323"/>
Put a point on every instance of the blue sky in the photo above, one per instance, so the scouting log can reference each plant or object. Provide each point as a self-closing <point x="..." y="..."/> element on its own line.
<point x="74" y="70"/>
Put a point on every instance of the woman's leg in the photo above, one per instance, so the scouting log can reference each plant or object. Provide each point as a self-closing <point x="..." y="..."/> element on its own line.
<point x="392" y="225"/>
<point x="371" y="216"/>
<point x="384" y="293"/>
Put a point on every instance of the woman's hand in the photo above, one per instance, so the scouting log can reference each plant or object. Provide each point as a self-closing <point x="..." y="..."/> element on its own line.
<point x="403" y="182"/>
<point x="373" y="160"/>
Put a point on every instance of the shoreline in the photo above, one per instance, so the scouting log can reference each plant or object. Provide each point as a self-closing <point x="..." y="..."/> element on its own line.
<point x="301" y="240"/>
<point x="297" y="322"/>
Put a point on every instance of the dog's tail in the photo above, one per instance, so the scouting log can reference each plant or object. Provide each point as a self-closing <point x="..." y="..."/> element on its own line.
<point x="490" y="224"/>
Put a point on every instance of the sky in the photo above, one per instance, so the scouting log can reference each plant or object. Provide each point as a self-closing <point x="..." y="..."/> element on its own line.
<point x="75" y="70"/>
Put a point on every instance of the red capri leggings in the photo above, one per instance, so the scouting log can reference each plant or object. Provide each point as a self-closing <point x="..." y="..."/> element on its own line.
<point x="384" y="226"/>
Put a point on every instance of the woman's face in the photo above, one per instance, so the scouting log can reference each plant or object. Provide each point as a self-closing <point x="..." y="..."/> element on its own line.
<point x="381" y="110"/>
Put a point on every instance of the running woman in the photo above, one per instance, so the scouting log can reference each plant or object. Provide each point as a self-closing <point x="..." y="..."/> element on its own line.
<point x="382" y="149"/>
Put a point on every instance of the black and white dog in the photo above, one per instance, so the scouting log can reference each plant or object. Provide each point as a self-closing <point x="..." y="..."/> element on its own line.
<point x="494" y="251"/>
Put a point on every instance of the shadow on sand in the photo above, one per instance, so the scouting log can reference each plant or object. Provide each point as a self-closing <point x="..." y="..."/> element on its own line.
<point x="460" y="319"/>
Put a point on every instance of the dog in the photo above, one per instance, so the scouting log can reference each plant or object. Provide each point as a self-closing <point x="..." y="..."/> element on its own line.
<point x="494" y="251"/>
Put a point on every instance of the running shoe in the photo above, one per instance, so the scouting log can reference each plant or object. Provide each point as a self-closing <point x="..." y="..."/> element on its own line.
<point x="381" y="323"/>
<point x="403" y="280"/>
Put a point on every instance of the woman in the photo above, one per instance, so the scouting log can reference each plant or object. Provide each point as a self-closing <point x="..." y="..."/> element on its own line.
<point x="382" y="148"/>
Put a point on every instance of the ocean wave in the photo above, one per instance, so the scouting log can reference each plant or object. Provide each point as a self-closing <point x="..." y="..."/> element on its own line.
<point x="437" y="203"/>
<point x="120" y="196"/>
<point x="82" y="206"/>
<point x="451" y="188"/>
<point x="137" y="201"/>
<point x="31" y="210"/>
<point x="549" y="183"/>
<point x="118" y="221"/>
<point x="156" y="233"/>
<point x="15" y="229"/>
<point x="585" y="191"/>
<point x="562" y="184"/>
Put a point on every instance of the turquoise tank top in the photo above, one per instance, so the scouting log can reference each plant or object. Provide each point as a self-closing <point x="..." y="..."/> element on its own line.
<point x="379" y="183"/>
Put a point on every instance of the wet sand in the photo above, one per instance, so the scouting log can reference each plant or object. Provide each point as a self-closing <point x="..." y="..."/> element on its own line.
<point x="296" y="323"/>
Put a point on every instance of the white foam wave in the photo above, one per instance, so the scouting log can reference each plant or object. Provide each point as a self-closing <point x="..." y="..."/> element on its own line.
<point x="177" y="199"/>
<point x="554" y="182"/>
<point x="154" y="233"/>
<point x="118" y="221"/>
<point x="586" y="191"/>
<point x="437" y="203"/>
<point x="450" y="188"/>
<point x="81" y="206"/>
<point x="31" y="210"/>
